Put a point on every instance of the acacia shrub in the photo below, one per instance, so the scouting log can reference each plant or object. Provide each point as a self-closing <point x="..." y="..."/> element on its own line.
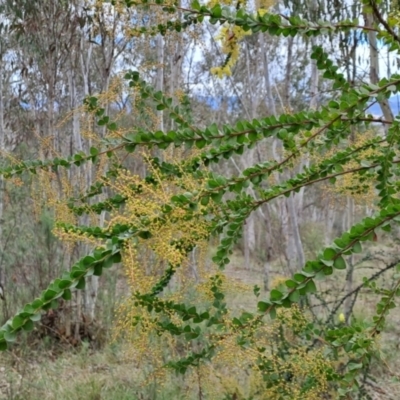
<point x="157" y="221"/>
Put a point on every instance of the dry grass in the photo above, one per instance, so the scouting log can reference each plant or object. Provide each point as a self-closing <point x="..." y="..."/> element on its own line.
<point x="109" y="374"/>
<point x="85" y="375"/>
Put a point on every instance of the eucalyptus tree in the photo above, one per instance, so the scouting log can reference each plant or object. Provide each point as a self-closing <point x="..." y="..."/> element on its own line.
<point x="58" y="53"/>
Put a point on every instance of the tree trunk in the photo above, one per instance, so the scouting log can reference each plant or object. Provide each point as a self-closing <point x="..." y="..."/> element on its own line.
<point x="160" y="75"/>
<point x="2" y="149"/>
<point x="374" y="64"/>
<point x="294" y="253"/>
<point x="350" y="263"/>
<point x="296" y="233"/>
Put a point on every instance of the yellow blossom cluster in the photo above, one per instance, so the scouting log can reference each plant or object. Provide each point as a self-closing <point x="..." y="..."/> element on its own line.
<point x="144" y="262"/>
<point x="295" y="373"/>
<point x="230" y="36"/>
<point x="361" y="189"/>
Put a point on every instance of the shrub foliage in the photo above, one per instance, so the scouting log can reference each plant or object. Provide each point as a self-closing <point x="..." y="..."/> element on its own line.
<point x="156" y="222"/>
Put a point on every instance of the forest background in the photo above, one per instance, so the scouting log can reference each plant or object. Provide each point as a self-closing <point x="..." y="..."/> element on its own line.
<point x="212" y="149"/>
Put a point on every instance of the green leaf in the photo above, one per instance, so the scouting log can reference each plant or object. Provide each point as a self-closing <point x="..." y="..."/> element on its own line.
<point x="88" y="260"/>
<point x="49" y="294"/>
<point x="37" y="304"/>
<point x="77" y="272"/>
<point x="339" y="263"/>
<point x="291" y="284"/>
<point x="195" y="5"/>
<point x="112" y="126"/>
<point x="294" y="297"/>
<point x="67" y="295"/>
<point x="200" y="143"/>
<point x="36" y="317"/>
<point x="81" y="284"/>
<point x="310" y="287"/>
<point x="144" y="235"/>
<point x="205" y="200"/>
<point x="236" y="321"/>
<point x="357" y="248"/>
<point x="98" y="269"/>
<point x="28" y="326"/>
<point x="386" y="228"/>
<point x="116" y="258"/>
<point x="216" y="11"/>
<point x="328" y="263"/>
<point x="275" y="295"/>
<point x="329" y="253"/>
<point x="263" y="306"/>
<point x="17" y="322"/>
<point x="10" y="336"/>
<point x="353" y="366"/>
<point x="108" y="262"/>
<point x="217" y="197"/>
<point x="299" y="277"/>
<point x="64" y="283"/>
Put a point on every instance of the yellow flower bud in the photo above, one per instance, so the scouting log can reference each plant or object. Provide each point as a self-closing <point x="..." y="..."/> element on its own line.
<point x="341" y="318"/>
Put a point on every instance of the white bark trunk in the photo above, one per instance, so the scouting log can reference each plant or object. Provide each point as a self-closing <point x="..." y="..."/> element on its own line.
<point x="2" y="148"/>
<point x="296" y="233"/>
<point x="374" y="64"/>
<point x="160" y="75"/>
<point x="289" y="222"/>
<point x="287" y="233"/>
<point x="249" y="239"/>
<point x="350" y="263"/>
